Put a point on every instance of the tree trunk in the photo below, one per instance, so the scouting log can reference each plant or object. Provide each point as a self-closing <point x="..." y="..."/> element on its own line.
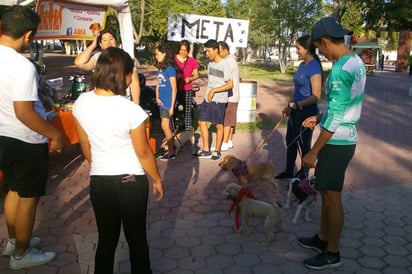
<point x="404" y="47"/>
<point x="336" y="10"/>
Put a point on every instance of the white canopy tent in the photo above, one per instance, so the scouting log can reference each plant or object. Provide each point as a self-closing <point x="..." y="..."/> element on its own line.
<point x="123" y="15"/>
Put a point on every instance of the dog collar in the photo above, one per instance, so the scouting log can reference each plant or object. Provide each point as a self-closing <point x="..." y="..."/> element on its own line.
<point x="241" y="169"/>
<point x="307" y="188"/>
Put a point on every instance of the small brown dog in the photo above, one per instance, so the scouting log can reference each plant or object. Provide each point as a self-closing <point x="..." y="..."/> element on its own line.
<point x="246" y="173"/>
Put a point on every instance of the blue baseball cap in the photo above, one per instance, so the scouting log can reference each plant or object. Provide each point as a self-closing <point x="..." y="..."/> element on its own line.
<point x="328" y="26"/>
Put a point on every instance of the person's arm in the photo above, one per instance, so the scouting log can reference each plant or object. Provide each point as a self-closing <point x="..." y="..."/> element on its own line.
<point x="310" y="158"/>
<point x="316" y="86"/>
<point x="84" y="141"/>
<point x="173" y="85"/>
<point x="228" y="85"/>
<point x="84" y="60"/>
<point x="135" y="87"/>
<point x="26" y="114"/>
<point x="145" y="155"/>
<point x="195" y="76"/>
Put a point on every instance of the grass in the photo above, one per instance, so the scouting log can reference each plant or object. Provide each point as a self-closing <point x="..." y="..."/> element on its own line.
<point x="265" y="71"/>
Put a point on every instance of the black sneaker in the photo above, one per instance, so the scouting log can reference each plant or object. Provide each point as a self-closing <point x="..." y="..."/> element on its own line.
<point x="323" y="260"/>
<point x="167" y="157"/>
<point x="284" y="175"/>
<point x="313" y="243"/>
<point x="204" y="155"/>
<point x="216" y="156"/>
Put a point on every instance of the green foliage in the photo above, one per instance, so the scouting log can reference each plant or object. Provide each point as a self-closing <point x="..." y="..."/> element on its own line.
<point x="265" y="71"/>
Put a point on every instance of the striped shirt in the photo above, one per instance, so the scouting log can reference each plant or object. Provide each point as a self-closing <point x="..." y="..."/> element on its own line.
<point x="344" y="90"/>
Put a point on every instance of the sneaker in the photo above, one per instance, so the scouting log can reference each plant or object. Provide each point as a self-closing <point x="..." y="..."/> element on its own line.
<point x="229" y="144"/>
<point x="10" y="246"/>
<point x="323" y="260"/>
<point x="32" y="257"/>
<point x="216" y="156"/>
<point x="284" y="175"/>
<point x="204" y="155"/>
<point x="313" y="243"/>
<point x="167" y="157"/>
<point x="224" y="147"/>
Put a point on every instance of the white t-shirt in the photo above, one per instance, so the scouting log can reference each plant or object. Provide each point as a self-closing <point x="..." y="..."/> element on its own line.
<point x="18" y="82"/>
<point x="107" y="121"/>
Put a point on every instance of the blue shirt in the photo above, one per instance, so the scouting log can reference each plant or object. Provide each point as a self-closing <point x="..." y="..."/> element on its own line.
<point x="165" y="89"/>
<point x="302" y="79"/>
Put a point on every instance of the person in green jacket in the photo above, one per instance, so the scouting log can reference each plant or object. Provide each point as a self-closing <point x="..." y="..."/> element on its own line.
<point x="335" y="146"/>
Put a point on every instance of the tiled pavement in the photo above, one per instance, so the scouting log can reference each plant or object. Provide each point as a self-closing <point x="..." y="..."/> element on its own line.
<point x="191" y="232"/>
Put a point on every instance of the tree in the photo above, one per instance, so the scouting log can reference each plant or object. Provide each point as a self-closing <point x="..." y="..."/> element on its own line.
<point x="278" y="23"/>
<point x="392" y="16"/>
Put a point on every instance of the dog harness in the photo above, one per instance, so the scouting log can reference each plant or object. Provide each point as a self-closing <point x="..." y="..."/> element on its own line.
<point x="244" y="191"/>
<point x="307" y="188"/>
<point x="241" y="169"/>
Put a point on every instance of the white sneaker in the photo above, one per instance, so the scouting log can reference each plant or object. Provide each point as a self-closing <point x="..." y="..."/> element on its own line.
<point x="230" y="144"/>
<point x="10" y="246"/>
<point x="32" y="257"/>
<point x="224" y="147"/>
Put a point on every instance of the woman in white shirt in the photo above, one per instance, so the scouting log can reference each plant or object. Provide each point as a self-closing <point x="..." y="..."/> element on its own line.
<point x="112" y="136"/>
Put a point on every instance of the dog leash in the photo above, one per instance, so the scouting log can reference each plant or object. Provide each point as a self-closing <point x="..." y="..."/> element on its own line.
<point x="260" y="144"/>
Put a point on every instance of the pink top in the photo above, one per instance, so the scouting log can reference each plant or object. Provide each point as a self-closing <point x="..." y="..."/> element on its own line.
<point x="188" y="67"/>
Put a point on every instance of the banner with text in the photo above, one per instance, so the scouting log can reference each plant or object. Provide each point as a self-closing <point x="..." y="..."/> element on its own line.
<point x="64" y="20"/>
<point x="198" y="28"/>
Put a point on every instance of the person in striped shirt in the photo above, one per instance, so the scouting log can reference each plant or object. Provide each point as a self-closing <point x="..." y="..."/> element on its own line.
<point x="335" y="146"/>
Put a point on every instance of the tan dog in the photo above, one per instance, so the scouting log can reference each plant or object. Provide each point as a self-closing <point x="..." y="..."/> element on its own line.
<point x="248" y="207"/>
<point x="246" y="173"/>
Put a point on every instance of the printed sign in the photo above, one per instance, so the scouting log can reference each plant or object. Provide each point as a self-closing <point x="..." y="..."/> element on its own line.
<point x="197" y="28"/>
<point x="63" y="20"/>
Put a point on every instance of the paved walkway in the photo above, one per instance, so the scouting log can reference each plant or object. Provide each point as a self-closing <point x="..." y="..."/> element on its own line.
<point x="191" y="232"/>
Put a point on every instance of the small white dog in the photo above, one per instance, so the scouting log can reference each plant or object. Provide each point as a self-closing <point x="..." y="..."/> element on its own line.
<point x="180" y="140"/>
<point x="248" y="207"/>
<point x="304" y="192"/>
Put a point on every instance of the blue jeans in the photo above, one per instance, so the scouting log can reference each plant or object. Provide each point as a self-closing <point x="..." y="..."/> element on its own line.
<point x="119" y="202"/>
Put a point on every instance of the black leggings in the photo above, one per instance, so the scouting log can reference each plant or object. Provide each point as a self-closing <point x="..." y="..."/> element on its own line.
<point x="297" y="138"/>
<point x="117" y="203"/>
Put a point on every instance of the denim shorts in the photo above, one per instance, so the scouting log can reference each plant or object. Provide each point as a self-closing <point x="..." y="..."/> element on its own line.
<point x="164" y="113"/>
<point x="212" y="112"/>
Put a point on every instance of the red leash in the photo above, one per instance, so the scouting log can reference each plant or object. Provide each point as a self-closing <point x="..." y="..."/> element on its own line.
<point x="244" y="191"/>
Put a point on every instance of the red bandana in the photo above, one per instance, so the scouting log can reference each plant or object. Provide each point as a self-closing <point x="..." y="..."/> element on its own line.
<point x="244" y="191"/>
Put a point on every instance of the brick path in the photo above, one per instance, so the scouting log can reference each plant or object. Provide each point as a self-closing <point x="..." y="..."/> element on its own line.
<point x="190" y="231"/>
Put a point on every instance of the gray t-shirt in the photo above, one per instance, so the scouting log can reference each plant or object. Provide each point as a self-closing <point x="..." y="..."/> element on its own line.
<point x="218" y="75"/>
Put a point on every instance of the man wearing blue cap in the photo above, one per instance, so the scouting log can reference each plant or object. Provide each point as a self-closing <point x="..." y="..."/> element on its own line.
<point x="335" y="146"/>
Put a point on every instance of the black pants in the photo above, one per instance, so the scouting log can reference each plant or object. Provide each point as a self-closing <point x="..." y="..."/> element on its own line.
<point x="293" y="140"/>
<point x="117" y="203"/>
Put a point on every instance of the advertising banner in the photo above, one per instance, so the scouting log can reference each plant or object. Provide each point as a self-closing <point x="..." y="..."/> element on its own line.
<point x="64" y="20"/>
<point x="199" y="29"/>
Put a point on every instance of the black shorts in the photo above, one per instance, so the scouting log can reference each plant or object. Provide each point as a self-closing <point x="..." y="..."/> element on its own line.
<point x="25" y="166"/>
<point x="331" y="167"/>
